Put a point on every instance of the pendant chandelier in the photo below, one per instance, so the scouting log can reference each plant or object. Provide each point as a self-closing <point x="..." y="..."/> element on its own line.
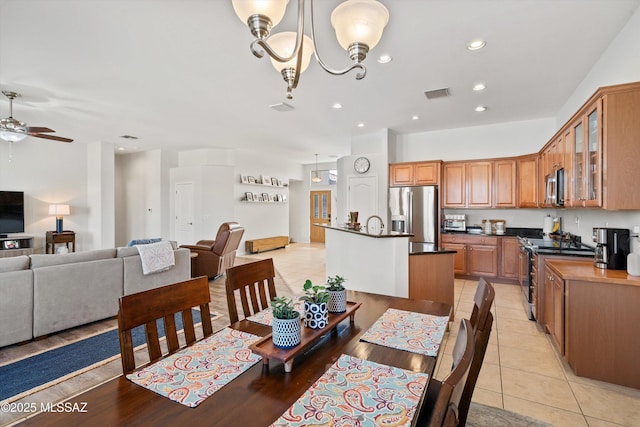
<point x="358" y="24"/>
<point x="316" y="178"/>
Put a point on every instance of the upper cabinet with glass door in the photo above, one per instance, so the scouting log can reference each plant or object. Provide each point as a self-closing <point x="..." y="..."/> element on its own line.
<point x="586" y="145"/>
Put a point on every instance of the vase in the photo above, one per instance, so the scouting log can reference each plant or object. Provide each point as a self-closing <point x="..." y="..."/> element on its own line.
<point x="316" y="316"/>
<point x="287" y="333"/>
<point x="337" y="301"/>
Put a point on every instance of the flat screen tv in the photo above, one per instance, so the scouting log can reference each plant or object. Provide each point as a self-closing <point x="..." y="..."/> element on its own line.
<point x="11" y="212"/>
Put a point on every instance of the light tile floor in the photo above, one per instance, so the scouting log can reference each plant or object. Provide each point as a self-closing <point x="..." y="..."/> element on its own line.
<point x="521" y="372"/>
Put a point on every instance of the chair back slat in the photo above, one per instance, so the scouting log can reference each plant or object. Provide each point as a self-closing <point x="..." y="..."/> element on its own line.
<point x="485" y="295"/>
<point x="146" y="308"/>
<point x="255" y="284"/>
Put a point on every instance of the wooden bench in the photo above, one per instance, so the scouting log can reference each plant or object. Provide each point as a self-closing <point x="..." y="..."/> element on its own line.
<point x="268" y="243"/>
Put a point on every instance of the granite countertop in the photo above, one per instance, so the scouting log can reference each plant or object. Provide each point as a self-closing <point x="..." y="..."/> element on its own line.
<point x="384" y="234"/>
<point x="437" y="251"/>
<point x="586" y="271"/>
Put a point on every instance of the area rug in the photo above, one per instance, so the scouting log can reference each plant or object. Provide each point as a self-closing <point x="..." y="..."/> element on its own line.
<point x="483" y="416"/>
<point x="50" y="367"/>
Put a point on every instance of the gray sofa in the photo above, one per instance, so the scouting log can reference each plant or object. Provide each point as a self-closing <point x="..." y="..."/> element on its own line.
<point x="42" y="294"/>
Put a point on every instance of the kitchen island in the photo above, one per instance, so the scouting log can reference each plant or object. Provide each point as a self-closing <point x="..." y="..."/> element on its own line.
<point x="595" y="317"/>
<point x="384" y="263"/>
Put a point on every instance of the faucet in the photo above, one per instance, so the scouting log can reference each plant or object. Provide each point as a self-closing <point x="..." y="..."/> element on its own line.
<point x="379" y="219"/>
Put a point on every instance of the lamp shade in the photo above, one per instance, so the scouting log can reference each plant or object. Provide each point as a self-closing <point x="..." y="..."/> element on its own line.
<point x="58" y="210"/>
<point x="359" y="21"/>
<point x="284" y="43"/>
<point x="273" y="9"/>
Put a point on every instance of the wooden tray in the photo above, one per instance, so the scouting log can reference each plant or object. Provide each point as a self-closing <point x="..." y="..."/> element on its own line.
<point x="265" y="348"/>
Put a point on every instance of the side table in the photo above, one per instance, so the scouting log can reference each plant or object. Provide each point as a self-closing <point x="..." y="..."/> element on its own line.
<point x="54" y="238"/>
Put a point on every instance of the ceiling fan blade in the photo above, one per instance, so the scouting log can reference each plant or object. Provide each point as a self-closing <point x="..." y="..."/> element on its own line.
<point x="35" y="129"/>
<point x="55" y="138"/>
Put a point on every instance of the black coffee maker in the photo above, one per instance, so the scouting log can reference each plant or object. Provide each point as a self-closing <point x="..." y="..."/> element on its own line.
<point x="612" y="248"/>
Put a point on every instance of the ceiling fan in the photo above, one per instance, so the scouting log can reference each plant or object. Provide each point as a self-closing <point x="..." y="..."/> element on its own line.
<point x="12" y="130"/>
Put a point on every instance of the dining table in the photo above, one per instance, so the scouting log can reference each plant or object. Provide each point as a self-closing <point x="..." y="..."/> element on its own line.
<point x="261" y="394"/>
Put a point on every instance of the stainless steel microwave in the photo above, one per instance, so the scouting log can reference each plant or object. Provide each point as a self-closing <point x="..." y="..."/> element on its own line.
<point x="554" y="188"/>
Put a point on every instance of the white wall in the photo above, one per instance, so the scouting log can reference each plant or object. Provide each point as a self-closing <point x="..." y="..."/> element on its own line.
<point x="49" y="172"/>
<point x="477" y="142"/>
<point x="101" y="195"/>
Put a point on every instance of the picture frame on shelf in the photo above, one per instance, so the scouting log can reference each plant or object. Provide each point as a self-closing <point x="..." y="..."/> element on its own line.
<point x="272" y="198"/>
<point x="244" y="179"/>
<point x="251" y="179"/>
<point x="255" y="197"/>
<point x="266" y="180"/>
<point x="274" y="182"/>
<point x="278" y="197"/>
<point x="11" y="244"/>
<point x="279" y="183"/>
<point x="249" y="196"/>
<point x="265" y="197"/>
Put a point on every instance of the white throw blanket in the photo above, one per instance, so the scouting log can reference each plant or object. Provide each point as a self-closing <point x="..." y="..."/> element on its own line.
<point x="156" y="257"/>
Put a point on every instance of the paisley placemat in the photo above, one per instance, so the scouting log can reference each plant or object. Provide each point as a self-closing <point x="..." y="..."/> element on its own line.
<point x="265" y="317"/>
<point x="194" y="373"/>
<point x="406" y="330"/>
<point x="356" y="392"/>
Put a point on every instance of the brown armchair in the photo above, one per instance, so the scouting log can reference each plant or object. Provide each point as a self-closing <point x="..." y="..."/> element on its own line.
<point x="215" y="256"/>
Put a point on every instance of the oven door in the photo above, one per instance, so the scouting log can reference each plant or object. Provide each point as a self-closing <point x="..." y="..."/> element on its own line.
<point x="525" y="261"/>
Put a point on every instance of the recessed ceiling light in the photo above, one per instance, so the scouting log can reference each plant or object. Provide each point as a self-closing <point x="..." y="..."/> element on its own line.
<point x="476" y="44"/>
<point x="481" y="108"/>
<point x="415" y="117"/>
<point x="479" y="87"/>
<point x="384" y="59"/>
<point x="360" y="125"/>
<point x="337" y="106"/>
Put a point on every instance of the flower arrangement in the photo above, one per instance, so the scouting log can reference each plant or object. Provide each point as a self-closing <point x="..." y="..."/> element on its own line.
<point x="335" y="283"/>
<point x="314" y="294"/>
<point x="283" y="308"/>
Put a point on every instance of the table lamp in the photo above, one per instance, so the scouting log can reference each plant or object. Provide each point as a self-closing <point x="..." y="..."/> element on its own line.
<point x="59" y="211"/>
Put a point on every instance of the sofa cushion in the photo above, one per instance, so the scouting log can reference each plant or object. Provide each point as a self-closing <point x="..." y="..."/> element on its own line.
<point x="16" y="263"/>
<point x="16" y="306"/>
<point x="40" y="260"/>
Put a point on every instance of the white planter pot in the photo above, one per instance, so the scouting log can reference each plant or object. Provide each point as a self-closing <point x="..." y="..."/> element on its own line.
<point x="337" y="301"/>
<point x="286" y="332"/>
<point x="316" y="316"/>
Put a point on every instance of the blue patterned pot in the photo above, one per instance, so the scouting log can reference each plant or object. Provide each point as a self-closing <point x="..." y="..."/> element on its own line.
<point x="287" y="333"/>
<point x="316" y="316"/>
<point x="337" y="301"/>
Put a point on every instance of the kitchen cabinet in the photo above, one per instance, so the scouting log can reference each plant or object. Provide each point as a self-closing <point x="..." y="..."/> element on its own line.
<point x="420" y="173"/>
<point x="431" y="277"/>
<point x="504" y="183"/>
<point x="602" y="139"/>
<point x="527" y="182"/>
<point x="554" y="307"/>
<point x="509" y="258"/>
<point x="477" y="255"/>
<point x="467" y="184"/>
<point x="601" y="319"/>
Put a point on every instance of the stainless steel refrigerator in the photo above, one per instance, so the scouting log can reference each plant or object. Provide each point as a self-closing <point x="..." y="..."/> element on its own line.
<point x="415" y="210"/>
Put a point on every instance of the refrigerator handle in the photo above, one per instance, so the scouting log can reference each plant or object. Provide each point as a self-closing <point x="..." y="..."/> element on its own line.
<point x="409" y="225"/>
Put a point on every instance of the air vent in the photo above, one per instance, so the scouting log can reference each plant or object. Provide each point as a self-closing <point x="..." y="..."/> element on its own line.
<point x="437" y="93"/>
<point x="282" y="107"/>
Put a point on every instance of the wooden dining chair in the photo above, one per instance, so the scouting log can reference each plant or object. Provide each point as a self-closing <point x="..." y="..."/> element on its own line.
<point x="481" y="322"/>
<point x="255" y="284"/>
<point x="440" y="407"/>
<point x="145" y="308"/>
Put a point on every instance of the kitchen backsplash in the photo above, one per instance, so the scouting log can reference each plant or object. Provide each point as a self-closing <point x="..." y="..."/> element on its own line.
<point x="575" y="221"/>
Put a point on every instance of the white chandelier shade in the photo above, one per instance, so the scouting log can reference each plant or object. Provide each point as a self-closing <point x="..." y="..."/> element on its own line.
<point x="358" y="24"/>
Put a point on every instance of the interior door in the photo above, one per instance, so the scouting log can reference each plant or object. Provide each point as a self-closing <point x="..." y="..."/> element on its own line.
<point x="363" y="198"/>
<point x="184" y="213"/>
<point x="319" y="213"/>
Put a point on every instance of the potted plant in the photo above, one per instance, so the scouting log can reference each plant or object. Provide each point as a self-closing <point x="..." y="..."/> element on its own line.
<point x="286" y="323"/>
<point x="337" y="294"/>
<point x="316" y="313"/>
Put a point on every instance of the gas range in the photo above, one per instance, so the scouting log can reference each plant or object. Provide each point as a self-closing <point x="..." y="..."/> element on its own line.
<point x="556" y="247"/>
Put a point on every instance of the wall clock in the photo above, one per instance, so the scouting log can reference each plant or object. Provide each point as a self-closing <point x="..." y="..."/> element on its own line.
<point x="361" y="165"/>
